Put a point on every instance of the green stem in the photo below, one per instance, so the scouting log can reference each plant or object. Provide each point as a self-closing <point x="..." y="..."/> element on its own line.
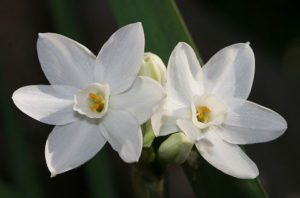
<point x="147" y="182"/>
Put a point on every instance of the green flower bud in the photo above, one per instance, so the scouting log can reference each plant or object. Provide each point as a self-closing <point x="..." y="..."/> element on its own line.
<point x="153" y="67"/>
<point x="148" y="134"/>
<point x="175" y="149"/>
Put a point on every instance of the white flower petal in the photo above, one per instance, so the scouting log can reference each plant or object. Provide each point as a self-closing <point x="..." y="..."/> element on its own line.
<point x="226" y="157"/>
<point x="71" y="145"/>
<point x="64" y="61"/>
<point x="156" y="121"/>
<point x="190" y="130"/>
<point x="124" y="134"/>
<point x="48" y="104"/>
<point x="184" y="75"/>
<point x="230" y="71"/>
<point x="169" y="116"/>
<point x="120" y="58"/>
<point x="247" y="123"/>
<point x="142" y="99"/>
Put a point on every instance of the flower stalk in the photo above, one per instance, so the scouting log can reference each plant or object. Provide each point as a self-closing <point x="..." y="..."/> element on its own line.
<point x="148" y="181"/>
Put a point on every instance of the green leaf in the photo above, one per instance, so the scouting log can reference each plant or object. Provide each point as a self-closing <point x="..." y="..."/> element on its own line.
<point x="161" y="20"/>
<point x="207" y="181"/>
<point x="164" y="28"/>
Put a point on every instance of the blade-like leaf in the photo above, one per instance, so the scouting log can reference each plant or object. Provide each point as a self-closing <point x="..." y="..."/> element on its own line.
<point x="164" y="28"/>
<point x="207" y="181"/>
<point x="162" y="23"/>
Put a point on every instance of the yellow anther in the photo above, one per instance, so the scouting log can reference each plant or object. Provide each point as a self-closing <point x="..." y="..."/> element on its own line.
<point x="95" y="97"/>
<point x="200" y="113"/>
<point x="95" y="106"/>
<point x="203" y="114"/>
<point x="205" y="108"/>
<point x="100" y="101"/>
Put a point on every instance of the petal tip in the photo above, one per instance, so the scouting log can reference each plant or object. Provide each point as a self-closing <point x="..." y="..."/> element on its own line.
<point x="284" y="125"/>
<point x="52" y="175"/>
<point x="254" y="174"/>
<point x="15" y="97"/>
<point x="284" y="122"/>
<point x="247" y="46"/>
<point x="182" y="44"/>
<point x="137" y="25"/>
<point x="42" y="35"/>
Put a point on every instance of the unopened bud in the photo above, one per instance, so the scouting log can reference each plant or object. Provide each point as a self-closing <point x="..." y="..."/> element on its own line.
<point x="175" y="149"/>
<point x="153" y="67"/>
<point x="148" y="134"/>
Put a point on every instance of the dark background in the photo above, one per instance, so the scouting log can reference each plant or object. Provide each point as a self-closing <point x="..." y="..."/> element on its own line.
<point x="272" y="27"/>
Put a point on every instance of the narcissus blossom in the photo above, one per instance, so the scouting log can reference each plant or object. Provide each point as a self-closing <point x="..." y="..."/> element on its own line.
<point x="91" y="99"/>
<point x="209" y="105"/>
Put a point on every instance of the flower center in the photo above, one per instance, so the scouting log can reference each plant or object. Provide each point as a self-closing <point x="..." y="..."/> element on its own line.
<point x="207" y="110"/>
<point x="92" y="101"/>
<point x="96" y="102"/>
<point x="203" y="114"/>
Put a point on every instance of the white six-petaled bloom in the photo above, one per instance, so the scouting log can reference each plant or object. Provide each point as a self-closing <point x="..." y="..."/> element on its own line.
<point x="209" y="105"/>
<point x="91" y="99"/>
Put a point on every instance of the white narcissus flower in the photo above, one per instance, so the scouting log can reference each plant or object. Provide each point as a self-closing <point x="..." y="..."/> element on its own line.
<point x="209" y="105"/>
<point x="91" y="99"/>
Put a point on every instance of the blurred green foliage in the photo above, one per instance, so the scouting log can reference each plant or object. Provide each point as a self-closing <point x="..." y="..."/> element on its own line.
<point x="161" y="20"/>
<point x="25" y="182"/>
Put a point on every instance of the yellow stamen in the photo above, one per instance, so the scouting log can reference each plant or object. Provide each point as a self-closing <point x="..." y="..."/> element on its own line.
<point x="200" y="113"/>
<point x="95" y="97"/>
<point x="203" y="114"/>
<point x="95" y="106"/>
<point x="100" y="101"/>
<point x="205" y="108"/>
